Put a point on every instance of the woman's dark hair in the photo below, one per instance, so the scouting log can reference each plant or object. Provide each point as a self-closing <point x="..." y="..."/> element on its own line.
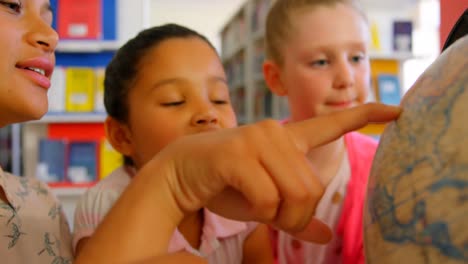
<point x="123" y="68"/>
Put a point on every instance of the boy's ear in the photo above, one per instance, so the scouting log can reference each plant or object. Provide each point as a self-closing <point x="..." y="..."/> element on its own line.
<point x="271" y="73"/>
<point x="119" y="136"/>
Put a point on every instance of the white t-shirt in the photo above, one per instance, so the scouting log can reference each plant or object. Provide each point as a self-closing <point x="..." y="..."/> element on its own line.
<point x="328" y="211"/>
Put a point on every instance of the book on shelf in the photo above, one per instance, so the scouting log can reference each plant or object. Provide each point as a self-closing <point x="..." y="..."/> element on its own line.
<point x="80" y="88"/>
<point x="5" y="148"/>
<point x="82" y="161"/>
<point x="259" y="14"/>
<point x="56" y="94"/>
<point x="234" y="36"/>
<point x="235" y="71"/>
<point x="268" y="103"/>
<point x="282" y="110"/>
<point x="259" y="103"/>
<point x="388" y="86"/>
<point x="375" y="44"/>
<point x="99" y="92"/>
<point x="52" y="160"/>
<point x="259" y="58"/>
<point x="402" y="36"/>
<point x="238" y="101"/>
<point x="79" y="19"/>
<point x="110" y="159"/>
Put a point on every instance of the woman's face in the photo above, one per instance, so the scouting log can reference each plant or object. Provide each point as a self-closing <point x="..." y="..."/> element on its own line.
<point x="26" y="59"/>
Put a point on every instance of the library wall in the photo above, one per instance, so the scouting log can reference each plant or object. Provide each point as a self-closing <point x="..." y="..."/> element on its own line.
<point x="204" y="16"/>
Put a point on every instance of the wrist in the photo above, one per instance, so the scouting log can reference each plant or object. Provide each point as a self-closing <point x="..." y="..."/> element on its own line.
<point x="158" y="175"/>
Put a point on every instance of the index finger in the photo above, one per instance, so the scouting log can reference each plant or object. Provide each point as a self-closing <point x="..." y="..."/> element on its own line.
<point x="324" y="129"/>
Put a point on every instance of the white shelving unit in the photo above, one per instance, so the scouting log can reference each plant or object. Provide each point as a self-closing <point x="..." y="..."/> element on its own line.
<point x="86" y="46"/>
<point x="399" y="56"/>
<point x="71" y="118"/>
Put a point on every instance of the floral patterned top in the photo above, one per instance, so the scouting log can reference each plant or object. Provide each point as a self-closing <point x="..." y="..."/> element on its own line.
<point x="33" y="227"/>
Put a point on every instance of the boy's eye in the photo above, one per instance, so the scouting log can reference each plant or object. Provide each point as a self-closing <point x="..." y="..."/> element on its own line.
<point x="176" y="103"/>
<point x="14" y="6"/>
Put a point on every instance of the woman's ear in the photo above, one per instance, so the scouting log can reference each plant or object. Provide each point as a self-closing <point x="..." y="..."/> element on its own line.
<point x="119" y="136"/>
<point x="272" y="75"/>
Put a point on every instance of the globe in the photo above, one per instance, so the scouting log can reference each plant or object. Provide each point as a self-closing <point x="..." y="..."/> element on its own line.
<point x="417" y="199"/>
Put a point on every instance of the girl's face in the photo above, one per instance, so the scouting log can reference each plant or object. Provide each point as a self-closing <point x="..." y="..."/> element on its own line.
<point x="180" y="89"/>
<point x="326" y="65"/>
<point x="27" y="59"/>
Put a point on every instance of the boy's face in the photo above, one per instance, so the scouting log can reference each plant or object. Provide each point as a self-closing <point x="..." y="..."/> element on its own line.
<point x="27" y="58"/>
<point x="180" y="90"/>
<point x="326" y="67"/>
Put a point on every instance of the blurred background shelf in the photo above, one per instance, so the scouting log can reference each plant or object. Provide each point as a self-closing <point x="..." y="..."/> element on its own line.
<point x="71" y="118"/>
<point x="86" y="46"/>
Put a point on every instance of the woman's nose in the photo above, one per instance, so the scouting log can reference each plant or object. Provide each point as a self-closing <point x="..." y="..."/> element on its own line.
<point x="42" y="35"/>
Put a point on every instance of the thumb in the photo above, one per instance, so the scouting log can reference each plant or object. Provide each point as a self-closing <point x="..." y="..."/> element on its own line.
<point x="316" y="232"/>
<point x="317" y="131"/>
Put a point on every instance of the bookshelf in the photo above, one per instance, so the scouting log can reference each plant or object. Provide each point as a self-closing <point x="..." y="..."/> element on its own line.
<point x="242" y="56"/>
<point x="242" y="53"/>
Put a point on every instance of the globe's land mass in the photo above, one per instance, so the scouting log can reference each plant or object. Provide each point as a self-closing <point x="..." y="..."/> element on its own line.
<point x="417" y="200"/>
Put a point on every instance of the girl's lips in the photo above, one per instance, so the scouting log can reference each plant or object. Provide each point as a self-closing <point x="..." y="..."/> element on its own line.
<point x="36" y="77"/>
<point x="341" y="104"/>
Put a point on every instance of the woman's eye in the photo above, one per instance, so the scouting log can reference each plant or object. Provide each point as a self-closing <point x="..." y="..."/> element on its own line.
<point x="173" y="103"/>
<point x="14" y="6"/>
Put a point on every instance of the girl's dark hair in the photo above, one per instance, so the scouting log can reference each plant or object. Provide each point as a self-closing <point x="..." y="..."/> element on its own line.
<point x="123" y="68"/>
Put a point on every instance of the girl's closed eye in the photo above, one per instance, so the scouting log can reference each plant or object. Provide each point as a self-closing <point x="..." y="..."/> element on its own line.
<point x="173" y="103"/>
<point x="12" y="6"/>
<point x="220" y="101"/>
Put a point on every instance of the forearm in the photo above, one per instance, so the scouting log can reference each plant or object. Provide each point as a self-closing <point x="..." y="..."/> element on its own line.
<point x="140" y="224"/>
<point x="175" y="258"/>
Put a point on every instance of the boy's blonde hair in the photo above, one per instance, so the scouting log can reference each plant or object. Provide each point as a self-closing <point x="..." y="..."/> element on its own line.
<point x="279" y="21"/>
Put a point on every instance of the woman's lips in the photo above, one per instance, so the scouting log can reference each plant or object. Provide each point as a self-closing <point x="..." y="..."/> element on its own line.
<point x="37" y="78"/>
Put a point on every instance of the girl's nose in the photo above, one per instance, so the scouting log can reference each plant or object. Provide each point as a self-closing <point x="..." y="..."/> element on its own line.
<point x="205" y="116"/>
<point x="344" y="76"/>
